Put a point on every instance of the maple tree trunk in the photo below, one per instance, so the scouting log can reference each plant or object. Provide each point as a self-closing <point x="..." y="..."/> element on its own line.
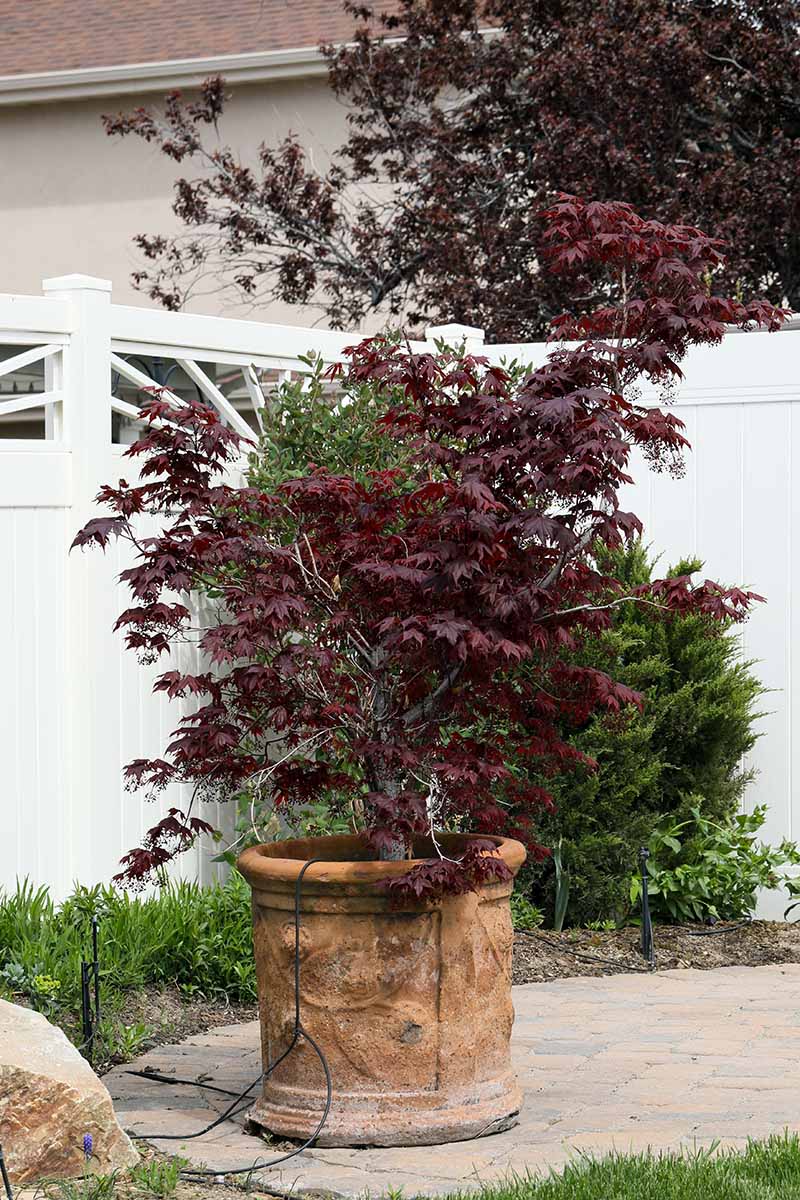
<point x="397" y="851"/>
<point x="384" y="782"/>
<point x="395" y="854"/>
<point x="380" y="779"/>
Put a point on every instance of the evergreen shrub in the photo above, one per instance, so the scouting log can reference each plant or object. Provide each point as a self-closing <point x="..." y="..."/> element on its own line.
<point x="683" y="749"/>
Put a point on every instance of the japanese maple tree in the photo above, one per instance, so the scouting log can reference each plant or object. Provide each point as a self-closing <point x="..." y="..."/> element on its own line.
<point x="471" y="116"/>
<point x="398" y="641"/>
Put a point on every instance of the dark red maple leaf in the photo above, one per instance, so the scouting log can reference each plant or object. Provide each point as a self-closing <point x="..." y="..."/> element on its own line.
<point x="393" y="645"/>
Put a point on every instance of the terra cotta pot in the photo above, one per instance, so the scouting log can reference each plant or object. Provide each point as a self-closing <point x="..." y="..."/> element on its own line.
<point x="411" y="1005"/>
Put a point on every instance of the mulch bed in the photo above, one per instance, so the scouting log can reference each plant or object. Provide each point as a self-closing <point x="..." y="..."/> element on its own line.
<point x="174" y="1016"/>
<point x="541" y="955"/>
<point x="170" y="1017"/>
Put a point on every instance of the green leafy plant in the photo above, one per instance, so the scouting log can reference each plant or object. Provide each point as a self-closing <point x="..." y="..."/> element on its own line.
<point x="702" y="868"/>
<point x="317" y="820"/>
<point x="186" y="935"/>
<point x="562" y="889"/>
<point x="308" y="421"/>
<point x="88" y="1187"/>
<point x="524" y="914"/>
<point x="158" y="1177"/>
<point x="792" y="886"/>
<point x="15" y="977"/>
<point x="45" y="990"/>
<point x="39" y="989"/>
<point x="122" y="1042"/>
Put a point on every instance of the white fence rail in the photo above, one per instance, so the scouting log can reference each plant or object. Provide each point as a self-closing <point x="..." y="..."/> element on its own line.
<point x="76" y="706"/>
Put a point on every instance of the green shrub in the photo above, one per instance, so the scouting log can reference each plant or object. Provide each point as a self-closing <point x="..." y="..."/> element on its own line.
<point x="700" y="868"/>
<point x="306" y="422"/>
<point x="688" y="741"/>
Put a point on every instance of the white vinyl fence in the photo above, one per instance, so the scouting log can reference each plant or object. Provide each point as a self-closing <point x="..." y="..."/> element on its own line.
<point x="75" y="706"/>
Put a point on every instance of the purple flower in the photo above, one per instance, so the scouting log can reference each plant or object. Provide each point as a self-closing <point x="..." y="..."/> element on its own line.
<point x="88" y="1143"/>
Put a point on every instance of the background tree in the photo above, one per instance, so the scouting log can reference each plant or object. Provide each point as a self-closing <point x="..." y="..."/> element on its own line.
<point x="688" y="109"/>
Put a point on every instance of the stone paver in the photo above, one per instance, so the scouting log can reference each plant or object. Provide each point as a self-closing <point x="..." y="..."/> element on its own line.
<point x="678" y="1059"/>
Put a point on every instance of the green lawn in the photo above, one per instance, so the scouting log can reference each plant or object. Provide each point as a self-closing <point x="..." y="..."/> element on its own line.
<point x="765" y="1171"/>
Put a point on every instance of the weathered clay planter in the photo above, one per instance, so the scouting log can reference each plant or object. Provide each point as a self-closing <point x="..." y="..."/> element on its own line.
<point x="412" y="1007"/>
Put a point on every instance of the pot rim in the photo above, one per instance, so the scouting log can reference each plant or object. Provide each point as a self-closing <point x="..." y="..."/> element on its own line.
<point x="265" y="865"/>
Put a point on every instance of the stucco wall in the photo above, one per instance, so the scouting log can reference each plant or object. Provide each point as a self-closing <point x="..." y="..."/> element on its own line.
<point x="72" y="198"/>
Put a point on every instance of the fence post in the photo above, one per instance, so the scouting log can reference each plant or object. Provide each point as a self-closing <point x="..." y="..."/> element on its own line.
<point x="85" y="428"/>
<point x="454" y="335"/>
<point x="86" y="417"/>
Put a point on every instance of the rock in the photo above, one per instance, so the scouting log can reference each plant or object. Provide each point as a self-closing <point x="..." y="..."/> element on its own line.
<point x="49" y="1098"/>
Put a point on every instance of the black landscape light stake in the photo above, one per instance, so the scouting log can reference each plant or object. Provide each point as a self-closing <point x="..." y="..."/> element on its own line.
<point x="90" y="996"/>
<point x="4" y="1177"/>
<point x="95" y="973"/>
<point x="87" y="1031"/>
<point x="648" y="951"/>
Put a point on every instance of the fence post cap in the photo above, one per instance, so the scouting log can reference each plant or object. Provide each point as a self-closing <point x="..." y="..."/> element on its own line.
<point x="76" y="283"/>
<point x="454" y="333"/>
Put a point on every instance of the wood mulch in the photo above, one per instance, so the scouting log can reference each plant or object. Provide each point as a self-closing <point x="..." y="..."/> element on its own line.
<point x="541" y="955"/>
<point x="164" y="1016"/>
<point x="174" y="1016"/>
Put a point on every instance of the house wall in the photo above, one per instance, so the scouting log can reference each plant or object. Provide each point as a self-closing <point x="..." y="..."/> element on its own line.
<point x="73" y="198"/>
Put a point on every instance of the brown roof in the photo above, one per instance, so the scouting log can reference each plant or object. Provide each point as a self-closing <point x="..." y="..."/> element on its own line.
<point x="62" y="35"/>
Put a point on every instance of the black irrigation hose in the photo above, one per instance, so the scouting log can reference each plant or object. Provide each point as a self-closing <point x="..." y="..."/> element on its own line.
<point x="4" y="1177"/>
<point x="715" y="932"/>
<point x="233" y="1108"/>
<point x="157" y="1078"/>
<point x="236" y="1106"/>
<point x="623" y="968"/>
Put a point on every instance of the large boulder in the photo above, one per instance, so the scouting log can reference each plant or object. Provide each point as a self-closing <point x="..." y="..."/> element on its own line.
<point x="49" y="1099"/>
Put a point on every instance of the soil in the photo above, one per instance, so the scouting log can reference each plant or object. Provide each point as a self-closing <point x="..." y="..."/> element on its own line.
<point x="173" y="1016"/>
<point x="541" y="955"/>
<point x="159" y="1017"/>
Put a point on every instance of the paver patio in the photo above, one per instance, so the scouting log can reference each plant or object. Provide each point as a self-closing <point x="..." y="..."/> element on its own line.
<point x="677" y="1059"/>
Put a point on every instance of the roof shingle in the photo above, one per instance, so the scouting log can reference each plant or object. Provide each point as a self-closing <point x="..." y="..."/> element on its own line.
<point x="54" y="35"/>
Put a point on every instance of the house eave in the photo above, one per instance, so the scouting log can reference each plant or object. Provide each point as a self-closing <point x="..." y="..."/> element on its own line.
<point x="262" y="66"/>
